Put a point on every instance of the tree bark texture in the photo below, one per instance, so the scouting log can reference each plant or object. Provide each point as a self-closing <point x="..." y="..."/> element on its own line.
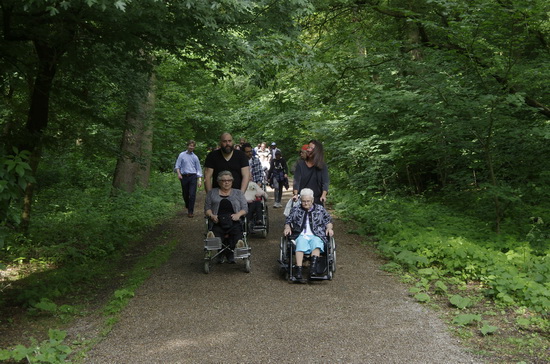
<point x="134" y="163"/>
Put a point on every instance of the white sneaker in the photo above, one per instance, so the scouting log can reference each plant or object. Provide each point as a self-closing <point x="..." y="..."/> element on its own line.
<point x="210" y="235"/>
<point x="240" y="244"/>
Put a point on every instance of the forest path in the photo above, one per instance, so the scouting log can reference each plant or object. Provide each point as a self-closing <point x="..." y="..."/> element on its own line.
<point x="364" y="315"/>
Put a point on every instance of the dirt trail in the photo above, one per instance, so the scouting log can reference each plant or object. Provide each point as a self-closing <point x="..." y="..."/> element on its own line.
<point x="181" y="315"/>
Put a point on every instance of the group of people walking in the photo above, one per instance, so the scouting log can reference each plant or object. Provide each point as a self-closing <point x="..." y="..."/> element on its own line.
<point x="235" y="177"/>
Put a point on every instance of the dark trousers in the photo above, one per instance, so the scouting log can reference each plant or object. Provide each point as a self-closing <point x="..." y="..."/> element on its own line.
<point x="254" y="211"/>
<point x="278" y="187"/>
<point x="229" y="236"/>
<point x="189" y="191"/>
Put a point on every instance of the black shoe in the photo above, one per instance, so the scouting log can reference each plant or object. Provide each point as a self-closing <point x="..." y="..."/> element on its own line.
<point x="313" y="266"/>
<point x="231" y="258"/>
<point x="298" y="273"/>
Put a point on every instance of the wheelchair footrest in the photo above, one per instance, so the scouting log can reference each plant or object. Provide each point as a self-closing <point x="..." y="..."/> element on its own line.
<point x="242" y="252"/>
<point x="213" y="243"/>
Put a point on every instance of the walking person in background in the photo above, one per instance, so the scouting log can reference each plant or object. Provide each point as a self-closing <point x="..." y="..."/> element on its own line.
<point x="273" y="149"/>
<point x="189" y="173"/>
<point x="278" y="177"/>
<point x="264" y="155"/>
<point x="312" y="173"/>
<point x="257" y="173"/>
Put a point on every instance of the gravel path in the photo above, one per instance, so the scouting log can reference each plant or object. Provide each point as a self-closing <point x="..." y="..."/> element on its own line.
<point x="364" y="315"/>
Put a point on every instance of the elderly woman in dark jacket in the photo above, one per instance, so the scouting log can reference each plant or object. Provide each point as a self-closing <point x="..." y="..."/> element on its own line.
<point x="313" y="224"/>
<point x="224" y="207"/>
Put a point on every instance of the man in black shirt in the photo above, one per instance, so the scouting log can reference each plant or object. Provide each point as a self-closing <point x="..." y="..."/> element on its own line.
<point x="226" y="158"/>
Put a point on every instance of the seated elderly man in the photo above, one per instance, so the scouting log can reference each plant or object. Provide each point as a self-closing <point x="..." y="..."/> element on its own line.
<point x="225" y="206"/>
<point x="313" y="224"/>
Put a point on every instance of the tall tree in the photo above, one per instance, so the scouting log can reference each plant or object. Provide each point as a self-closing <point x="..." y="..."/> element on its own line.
<point x="61" y="32"/>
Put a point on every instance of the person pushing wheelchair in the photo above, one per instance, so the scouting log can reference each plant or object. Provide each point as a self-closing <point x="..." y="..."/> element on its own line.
<point x="312" y="226"/>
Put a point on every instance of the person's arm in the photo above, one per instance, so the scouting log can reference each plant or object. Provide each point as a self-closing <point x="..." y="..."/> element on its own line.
<point x="208" y="172"/>
<point x="243" y="205"/>
<point x="287" y="231"/>
<point x="296" y="183"/>
<point x="177" y="167"/>
<point x="245" y="172"/>
<point x="199" y="171"/>
<point x="326" y="181"/>
<point x="330" y="232"/>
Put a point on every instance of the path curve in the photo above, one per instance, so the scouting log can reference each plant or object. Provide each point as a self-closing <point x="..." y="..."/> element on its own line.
<point x="364" y="315"/>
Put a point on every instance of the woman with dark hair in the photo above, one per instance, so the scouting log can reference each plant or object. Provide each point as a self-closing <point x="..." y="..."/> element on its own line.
<point x="312" y="173"/>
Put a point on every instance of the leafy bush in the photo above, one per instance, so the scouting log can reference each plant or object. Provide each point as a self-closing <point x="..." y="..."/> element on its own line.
<point x="419" y="234"/>
<point x="15" y="173"/>
<point x="74" y="225"/>
<point x="78" y="231"/>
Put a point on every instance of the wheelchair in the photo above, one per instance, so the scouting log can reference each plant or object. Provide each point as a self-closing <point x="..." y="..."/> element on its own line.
<point x="260" y="225"/>
<point x="215" y="248"/>
<point x="326" y="265"/>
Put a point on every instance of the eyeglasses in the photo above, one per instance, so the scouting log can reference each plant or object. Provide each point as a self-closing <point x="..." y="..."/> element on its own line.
<point x="226" y="180"/>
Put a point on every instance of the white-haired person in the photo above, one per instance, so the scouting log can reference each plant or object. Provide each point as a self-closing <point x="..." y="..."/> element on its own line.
<point x="308" y="224"/>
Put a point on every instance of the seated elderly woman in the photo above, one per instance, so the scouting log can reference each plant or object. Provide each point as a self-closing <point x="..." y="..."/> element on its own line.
<point x="313" y="224"/>
<point x="224" y="207"/>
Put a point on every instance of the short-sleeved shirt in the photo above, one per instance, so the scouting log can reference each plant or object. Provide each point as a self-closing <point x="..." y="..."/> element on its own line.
<point x="218" y="163"/>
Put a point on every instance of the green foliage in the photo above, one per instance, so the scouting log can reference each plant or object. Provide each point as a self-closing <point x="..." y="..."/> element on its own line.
<point x="435" y="242"/>
<point x="487" y="329"/>
<point x="79" y="231"/>
<point x="466" y="319"/>
<point x="460" y="302"/>
<point x="15" y="173"/>
<point x="48" y="351"/>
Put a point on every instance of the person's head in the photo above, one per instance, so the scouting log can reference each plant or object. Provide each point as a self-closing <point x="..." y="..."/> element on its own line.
<point x="191" y="145"/>
<point x="242" y="141"/>
<point x="306" y="198"/>
<point x="273" y="145"/>
<point x="303" y="151"/>
<point x="226" y="143"/>
<point x="263" y="146"/>
<point x="225" y="180"/>
<point x="278" y="154"/>
<point x="315" y="153"/>
<point x="247" y="149"/>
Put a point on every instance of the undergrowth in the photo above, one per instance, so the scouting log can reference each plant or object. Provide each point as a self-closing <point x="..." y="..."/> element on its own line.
<point x="75" y="239"/>
<point x="497" y="284"/>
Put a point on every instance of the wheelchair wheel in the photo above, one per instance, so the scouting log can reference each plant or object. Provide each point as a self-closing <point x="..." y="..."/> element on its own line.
<point x="247" y="265"/>
<point x="266" y="222"/>
<point x="282" y="250"/>
<point x="333" y="248"/>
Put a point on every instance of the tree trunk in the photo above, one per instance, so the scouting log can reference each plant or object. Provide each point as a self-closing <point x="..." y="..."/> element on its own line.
<point x="134" y="163"/>
<point x="38" y="117"/>
<point x="147" y="137"/>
